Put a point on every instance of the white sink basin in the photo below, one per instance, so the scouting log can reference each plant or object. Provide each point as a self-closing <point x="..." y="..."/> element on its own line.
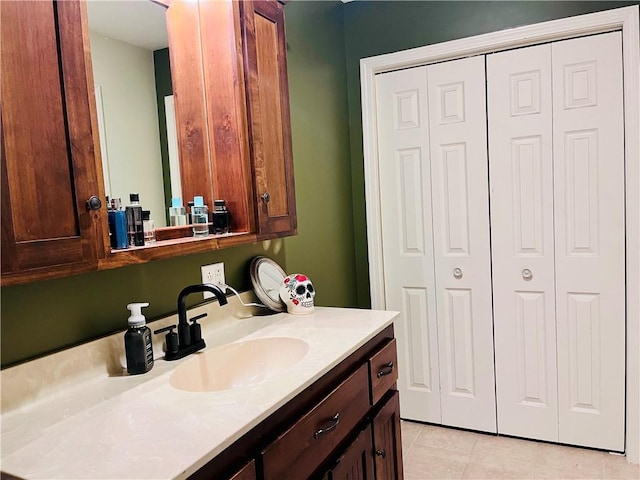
<point x="239" y="364"/>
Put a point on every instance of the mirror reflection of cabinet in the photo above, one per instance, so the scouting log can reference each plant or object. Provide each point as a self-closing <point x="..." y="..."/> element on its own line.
<point x="51" y="163"/>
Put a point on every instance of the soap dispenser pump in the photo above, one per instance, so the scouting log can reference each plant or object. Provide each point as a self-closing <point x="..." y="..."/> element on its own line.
<point x="137" y="341"/>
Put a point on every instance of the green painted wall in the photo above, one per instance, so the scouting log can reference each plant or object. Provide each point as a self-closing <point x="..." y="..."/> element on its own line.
<point x="377" y="27"/>
<point x="42" y="317"/>
<point x="324" y="247"/>
<point x="325" y="40"/>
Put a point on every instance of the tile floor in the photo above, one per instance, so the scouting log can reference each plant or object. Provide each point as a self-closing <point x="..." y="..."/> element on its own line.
<point x="432" y="452"/>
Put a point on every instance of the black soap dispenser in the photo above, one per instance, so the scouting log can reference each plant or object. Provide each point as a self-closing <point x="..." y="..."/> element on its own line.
<point x="137" y="341"/>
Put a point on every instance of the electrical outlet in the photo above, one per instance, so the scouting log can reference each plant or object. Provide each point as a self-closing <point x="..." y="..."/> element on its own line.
<point x="213" y="273"/>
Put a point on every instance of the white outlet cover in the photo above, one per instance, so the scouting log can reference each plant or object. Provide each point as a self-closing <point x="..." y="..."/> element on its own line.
<point x="213" y="273"/>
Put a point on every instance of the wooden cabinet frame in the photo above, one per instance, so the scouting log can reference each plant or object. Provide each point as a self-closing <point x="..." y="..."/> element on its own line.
<point x="217" y="144"/>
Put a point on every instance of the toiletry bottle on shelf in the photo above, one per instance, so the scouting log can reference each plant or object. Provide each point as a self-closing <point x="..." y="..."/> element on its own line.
<point x="190" y="213"/>
<point x="220" y="220"/>
<point x="149" y="227"/>
<point x="111" y="224"/>
<point x="199" y="217"/>
<point x="135" y="226"/>
<point x="137" y="341"/>
<point x="118" y="225"/>
<point x="177" y="215"/>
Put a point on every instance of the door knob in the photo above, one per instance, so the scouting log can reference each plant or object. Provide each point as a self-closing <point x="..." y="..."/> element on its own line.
<point x="94" y="203"/>
<point x="265" y="197"/>
<point x="527" y="274"/>
<point x="457" y="273"/>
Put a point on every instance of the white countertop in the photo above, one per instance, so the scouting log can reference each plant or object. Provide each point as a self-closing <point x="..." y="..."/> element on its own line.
<point x="111" y="426"/>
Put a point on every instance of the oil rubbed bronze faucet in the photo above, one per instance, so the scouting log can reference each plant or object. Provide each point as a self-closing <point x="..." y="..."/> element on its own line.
<point x="189" y="337"/>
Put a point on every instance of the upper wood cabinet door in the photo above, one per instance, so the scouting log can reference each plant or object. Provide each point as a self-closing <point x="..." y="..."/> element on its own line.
<point x="49" y="169"/>
<point x="268" y="114"/>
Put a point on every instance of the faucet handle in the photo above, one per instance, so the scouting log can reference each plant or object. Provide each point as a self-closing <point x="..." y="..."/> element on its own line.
<point x="198" y="317"/>
<point x="171" y="338"/>
<point x="196" y="329"/>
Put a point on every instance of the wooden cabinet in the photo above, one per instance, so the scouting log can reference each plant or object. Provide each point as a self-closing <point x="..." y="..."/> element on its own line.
<point x="248" y="472"/>
<point x="233" y="123"/>
<point x="298" y="452"/>
<point x="49" y="170"/>
<point x="387" y="440"/>
<point x="332" y="430"/>
<point x="268" y="114"/>
<point x="356" y="463"/>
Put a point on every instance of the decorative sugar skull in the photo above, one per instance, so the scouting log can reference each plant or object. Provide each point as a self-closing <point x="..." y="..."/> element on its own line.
<point x="297" y="293"/>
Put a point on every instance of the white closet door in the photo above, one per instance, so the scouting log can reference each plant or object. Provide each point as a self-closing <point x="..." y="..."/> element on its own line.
<point x="522" y="238"/>
<point x="405" y="191"/>
<point x="590" y="239"/>
<point x="460" y="198"/>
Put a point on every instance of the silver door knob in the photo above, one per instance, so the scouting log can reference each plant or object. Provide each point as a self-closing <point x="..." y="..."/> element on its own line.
<point x="527" y="274"/>
<point x="457" y="273"/>
<point x="265" y="197"/>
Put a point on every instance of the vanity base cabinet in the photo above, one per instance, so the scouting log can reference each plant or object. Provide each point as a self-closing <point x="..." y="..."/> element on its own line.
<point x="296" y="452"/>
<point x="356" y="463"/>
<point x="331" y="430"/>
<point x="248" y="472"/>
<point x="387" y="440"/>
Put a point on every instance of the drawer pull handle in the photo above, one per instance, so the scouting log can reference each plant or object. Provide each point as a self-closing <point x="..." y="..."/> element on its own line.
<point x="381" y="453"/>
<point x="323" y="431"/>
<point x="386" y="370"/>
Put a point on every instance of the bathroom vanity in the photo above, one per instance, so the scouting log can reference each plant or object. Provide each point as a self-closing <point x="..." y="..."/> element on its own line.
<point x="331" y="412"/>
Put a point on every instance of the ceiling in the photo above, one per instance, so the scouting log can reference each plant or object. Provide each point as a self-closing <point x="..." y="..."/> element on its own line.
<point x="137" y="22"/>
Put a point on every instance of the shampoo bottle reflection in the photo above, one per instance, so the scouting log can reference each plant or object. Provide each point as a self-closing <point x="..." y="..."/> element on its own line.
<point x="149" y="227"/>
<point x="137" y="341"/>
<point x="199" y="217"/>
<point x="177" y="215"/>
<point x="117" y="225"/>
<point x="220" y="217"/>
<point x="135" y="228"/>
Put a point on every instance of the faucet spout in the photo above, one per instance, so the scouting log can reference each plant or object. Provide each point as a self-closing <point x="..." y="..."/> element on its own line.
<point x="200" y="287"/>
<point x="184" y="332"/>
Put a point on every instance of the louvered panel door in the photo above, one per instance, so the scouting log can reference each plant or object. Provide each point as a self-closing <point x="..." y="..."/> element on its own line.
<point x="460" y="201"/>
<point x="590" y="239"/>
<point x="522" y="241"/>
<point x="405" y="191"/>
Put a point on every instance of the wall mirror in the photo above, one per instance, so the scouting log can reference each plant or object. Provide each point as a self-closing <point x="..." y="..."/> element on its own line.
<point x="134" y="100"/>
<point x="267" y="277"/>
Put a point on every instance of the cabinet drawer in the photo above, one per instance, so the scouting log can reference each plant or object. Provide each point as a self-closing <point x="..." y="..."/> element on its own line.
<point x="302" y="448"/>
<point x="383" y="370"/>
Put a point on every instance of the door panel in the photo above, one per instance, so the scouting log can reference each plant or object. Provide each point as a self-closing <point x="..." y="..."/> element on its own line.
<point x="521" y="182"/>
<point x="386" y="439"/>
<point x="405" y="186"/>
<point x="49" y="169"/>
<point x="356" y="463"/>
<point x="459" y="191"/>
<point x="590" y="240"/>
